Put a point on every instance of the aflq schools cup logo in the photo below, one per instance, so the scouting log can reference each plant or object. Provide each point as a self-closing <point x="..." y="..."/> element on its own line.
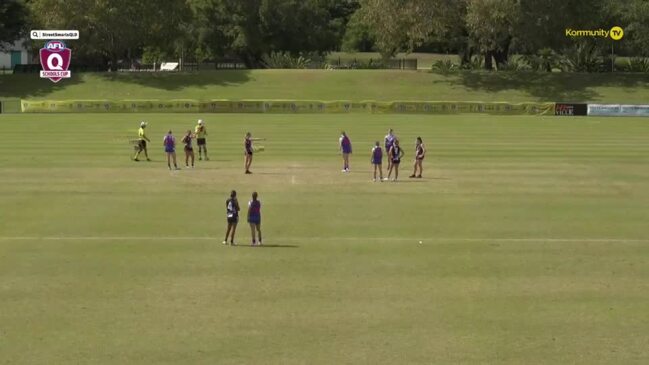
<point x="55" y="60"/>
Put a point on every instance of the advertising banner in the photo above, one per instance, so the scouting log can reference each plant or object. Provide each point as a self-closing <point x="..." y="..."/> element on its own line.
<point x="570" y="109"/>
<point x="284" y="107"/>
<point x="618" y="110"/>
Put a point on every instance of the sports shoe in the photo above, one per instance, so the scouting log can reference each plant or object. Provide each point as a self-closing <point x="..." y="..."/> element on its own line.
<point x="232" y="243"/>
<point x="225" y="242"/>
<point x="200" y="158"/>
<point x="148" y="159"/>
<point x="412" y="176"/>
<point x="136" y="160"/>
<point x="248" y="172"/>
<point x="418" y="176"/>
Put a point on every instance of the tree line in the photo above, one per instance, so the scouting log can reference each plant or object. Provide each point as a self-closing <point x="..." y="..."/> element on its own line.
<point x="114" y="31"/>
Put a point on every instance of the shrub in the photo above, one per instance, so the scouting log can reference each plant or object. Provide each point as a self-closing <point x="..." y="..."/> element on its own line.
<point x="637" y="64"/>
<point x="544" y="60"/>
<point x="584" y="58"/>
<point x="514" y="64"/>
<point x="285" y="60"/>
<point x="444" y="67"/>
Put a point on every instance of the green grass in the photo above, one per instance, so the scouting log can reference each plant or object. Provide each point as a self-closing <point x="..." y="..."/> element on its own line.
<point x="535" y="243"/>
<point x="336" y="85"/>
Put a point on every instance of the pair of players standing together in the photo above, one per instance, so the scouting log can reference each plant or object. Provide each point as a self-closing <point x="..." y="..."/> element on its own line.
<point x="395" y="154"/>
<point x="254" y="218"/>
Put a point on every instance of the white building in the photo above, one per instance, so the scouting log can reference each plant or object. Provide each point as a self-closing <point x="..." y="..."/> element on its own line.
<point x="14" y="54"/>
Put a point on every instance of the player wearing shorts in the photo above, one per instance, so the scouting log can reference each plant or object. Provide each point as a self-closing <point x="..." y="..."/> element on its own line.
<point x="141" y="143"/>
<point x="345" y="149"/>
<point x="395" y="154"/>
<point x="189" y="149"/>
<point x="254" y="218"/>
<point x="248" y="150"/>
<point x="232" y="216"/>
<point x="169" y="143"/>
<point x="201" y="132"/>
<point x="389" y="142"/>
<point x="377" y="160"/>
<point x="420" y="153"/>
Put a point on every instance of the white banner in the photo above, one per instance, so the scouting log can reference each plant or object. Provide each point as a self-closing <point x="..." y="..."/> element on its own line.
<point x="618" y="110"/>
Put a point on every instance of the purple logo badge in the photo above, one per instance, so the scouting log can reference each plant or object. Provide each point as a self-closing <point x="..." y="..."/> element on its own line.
<point x="55" y="61"/>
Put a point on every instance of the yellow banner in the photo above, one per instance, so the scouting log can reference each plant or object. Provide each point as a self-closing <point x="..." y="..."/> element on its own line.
<point x="283" y="107"/>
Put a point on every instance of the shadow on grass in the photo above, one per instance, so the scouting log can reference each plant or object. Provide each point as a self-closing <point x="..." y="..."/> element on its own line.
<point x="32" y="86"/>
<point x="269" y="246"/>
<point x="556" y="86"/>
<point x="171" y="81"/>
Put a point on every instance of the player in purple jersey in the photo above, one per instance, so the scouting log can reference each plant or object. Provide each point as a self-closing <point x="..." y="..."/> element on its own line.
<point x="254" y="217"/>
<point x="248" y="150"/>
<point x="232" y="216"/>
<point x="345" y="149"/>
<point x="395" y="154"/>
<point x="377" y="160"/>
<point x="420" y="153"/>
<point x="169" y="143"/>
<point x="189" y="149"/>
<point x="389" y="142"/>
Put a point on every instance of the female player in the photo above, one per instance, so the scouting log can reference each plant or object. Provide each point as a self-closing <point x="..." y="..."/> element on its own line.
<point x="395" y="154"/>
<point x="345" y="149"/>
<point x="389" y="141"/>
<point x="248" y="149"/>
<point x="232" y="215"/>
<point x="377" y="160"/>
<point x="169" y="143"/>
<point x="254" y="217"/>
<point x="420" y="153"/>
<point x="189" y="149"/>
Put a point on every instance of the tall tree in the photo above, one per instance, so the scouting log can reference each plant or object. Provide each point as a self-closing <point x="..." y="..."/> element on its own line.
<point x="401" y="25"/>
<point x="113" y="29"/>
<point x="13" y="19"/>
<point x="491" y="25"/>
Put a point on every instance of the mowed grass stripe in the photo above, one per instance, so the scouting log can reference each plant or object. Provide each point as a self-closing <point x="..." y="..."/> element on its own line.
<point x="533" y="230"/>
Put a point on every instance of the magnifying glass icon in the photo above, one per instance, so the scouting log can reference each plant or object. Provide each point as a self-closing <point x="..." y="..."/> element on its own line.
<point x="34" y="35"/>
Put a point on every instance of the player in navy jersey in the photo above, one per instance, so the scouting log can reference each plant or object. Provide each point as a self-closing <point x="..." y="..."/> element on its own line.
<point x="254" y="217"/>
<point x="169" y="143"/>
<point x="189" y="149"/>
<point x="248" y="149"/>
<point x="345" y="149"/>
<point x="389" y="142"/>
<point x="377" y="160"/>
<point x="232" y="216"/>
<point x="420" y="153"/>
<point x="395" y="154"/>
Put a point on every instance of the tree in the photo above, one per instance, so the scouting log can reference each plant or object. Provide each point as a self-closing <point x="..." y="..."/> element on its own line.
<point x="401" y="25"/>
<point x="635" y="18"/>
<point x="250" y="29"/>
<point x="13" y="18"/>
<point x="114" y="29"/>
<point x="491" y="25"/>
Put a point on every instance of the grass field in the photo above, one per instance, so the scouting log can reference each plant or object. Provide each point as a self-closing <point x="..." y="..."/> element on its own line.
<point x="534" y="229"/>
<point x="337" y="85"/>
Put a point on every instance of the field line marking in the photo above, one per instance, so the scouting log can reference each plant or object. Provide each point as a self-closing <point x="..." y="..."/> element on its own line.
<point x="434" y="239"/>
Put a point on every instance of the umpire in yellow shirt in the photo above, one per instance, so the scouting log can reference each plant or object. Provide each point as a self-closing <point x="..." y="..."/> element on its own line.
<point x="201" y="133"/>
<point x="142" y="140"/>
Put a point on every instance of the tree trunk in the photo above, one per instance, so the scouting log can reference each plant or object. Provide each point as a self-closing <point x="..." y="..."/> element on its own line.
<point x="488" y="60"/>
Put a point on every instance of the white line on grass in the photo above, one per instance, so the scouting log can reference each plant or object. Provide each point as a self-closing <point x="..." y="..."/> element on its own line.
<point x="433" y="239"/>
